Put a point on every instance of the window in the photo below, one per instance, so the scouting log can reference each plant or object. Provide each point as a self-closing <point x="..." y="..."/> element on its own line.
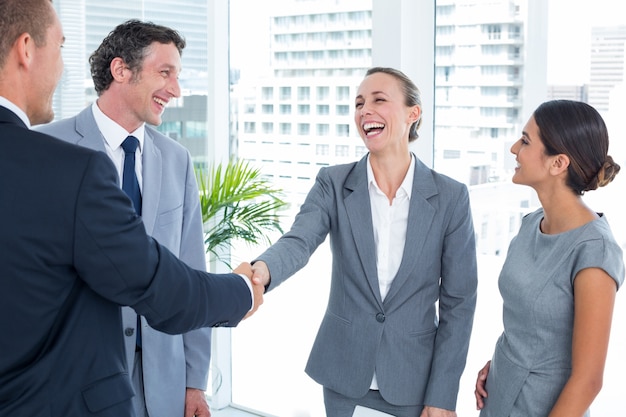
<point x="484" y="71"/>
<point x="249" y="127"/>
<point x="322" y="150"/>
<point x="343" y="110"/>
<point x="323" y="129"/>
<point x="342" y="150"/>
<point x="343" y="130"/>
<point x="195" y="129"/>
<point x="304" y="93"/>
<point x="343" y="93"/>
<point x="285" y="93"/>
<point x="267" y="93"/>
<point x="268" y="127"/>
<point x="172" y="129"/>
<point x="303" y="129"/>
<point x="323" y="109"/>
<point x="323" y="93"/>
<point x="285" y="128"/>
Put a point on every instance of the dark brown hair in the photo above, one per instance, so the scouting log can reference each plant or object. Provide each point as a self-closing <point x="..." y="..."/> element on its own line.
<point x="129" y="41"/>
<point x="577" y="130"/>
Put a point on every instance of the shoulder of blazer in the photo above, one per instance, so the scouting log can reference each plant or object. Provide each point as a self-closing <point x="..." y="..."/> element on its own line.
<point x="7" y="116"/>
<point x="163" y="142"/>
<point x="71" y="129"/>
<point x="349" y="174"/>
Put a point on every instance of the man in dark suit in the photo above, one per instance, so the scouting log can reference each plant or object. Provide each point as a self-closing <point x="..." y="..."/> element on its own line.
<point x="73" y="250"/>
<point x="135" y="72"/>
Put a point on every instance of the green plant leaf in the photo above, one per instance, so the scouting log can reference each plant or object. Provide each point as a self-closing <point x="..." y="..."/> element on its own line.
<point x="237" y="202"/>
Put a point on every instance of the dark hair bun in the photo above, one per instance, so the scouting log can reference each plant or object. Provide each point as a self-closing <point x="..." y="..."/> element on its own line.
<point x="607" y="173"/>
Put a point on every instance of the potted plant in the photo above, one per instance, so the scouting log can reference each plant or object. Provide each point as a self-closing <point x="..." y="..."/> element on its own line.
<point x="237" y="202"/>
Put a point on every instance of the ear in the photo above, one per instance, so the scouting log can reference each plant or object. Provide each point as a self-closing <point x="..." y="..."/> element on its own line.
<point x="415" y="114"/>
<point x="119" y="70"/>
<point x="24" y="48"/>
<point x="559" y="164"/>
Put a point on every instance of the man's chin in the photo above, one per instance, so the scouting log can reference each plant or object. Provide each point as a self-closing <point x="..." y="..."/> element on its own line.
<point x="40" y="119"/>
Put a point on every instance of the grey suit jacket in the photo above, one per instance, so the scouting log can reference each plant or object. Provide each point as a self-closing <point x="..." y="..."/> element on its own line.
<point x="171" y="214"/>
<point x="417" y="338"/>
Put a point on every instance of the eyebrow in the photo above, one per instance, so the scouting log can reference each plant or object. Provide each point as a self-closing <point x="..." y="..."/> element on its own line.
<point x="372" y="93"/>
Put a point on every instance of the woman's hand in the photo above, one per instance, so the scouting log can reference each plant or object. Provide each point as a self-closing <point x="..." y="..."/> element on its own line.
<point x="481" y="391"/>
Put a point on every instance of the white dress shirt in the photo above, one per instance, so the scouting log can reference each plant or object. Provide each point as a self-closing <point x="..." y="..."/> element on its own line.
<point x="114" y="135"/>
<point x="13" y="107"/>
<point x="389" y="222"/>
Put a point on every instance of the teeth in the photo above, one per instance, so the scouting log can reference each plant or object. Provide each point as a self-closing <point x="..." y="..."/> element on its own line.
<point x="159" y="101"/>
<point x="368" y="126"/>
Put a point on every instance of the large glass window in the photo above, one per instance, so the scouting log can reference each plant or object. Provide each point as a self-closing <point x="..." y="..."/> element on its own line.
<point x="492" y="66"/>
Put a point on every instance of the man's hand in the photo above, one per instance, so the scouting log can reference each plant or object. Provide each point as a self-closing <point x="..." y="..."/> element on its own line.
<point x="257" y="289"/>
<point x="481" y="392"/>
<point x="437" y="412"/>
<point x="196" y="404"/>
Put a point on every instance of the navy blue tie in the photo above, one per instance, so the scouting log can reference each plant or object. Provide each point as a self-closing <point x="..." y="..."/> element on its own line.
<point x="130" y="185"/>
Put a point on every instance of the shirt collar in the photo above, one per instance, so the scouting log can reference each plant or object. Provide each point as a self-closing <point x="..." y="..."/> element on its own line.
<point x="113" y="133"/>
<point x="4" y="102"/>
<point x="407" y="183"/>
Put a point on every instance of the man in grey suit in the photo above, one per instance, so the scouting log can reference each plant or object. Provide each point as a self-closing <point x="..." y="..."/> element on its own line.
<point x="403" y="287"/>
<point x="135" y="72"/>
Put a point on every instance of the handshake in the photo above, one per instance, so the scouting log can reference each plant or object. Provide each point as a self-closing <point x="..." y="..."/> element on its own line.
<point x="259" y="276"/>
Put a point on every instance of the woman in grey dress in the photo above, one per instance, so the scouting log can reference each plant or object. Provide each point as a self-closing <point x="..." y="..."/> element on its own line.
<point x="559" y="279"/>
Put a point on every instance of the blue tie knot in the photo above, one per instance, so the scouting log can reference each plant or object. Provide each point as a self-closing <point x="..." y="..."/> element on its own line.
<point x="130" y="144"/>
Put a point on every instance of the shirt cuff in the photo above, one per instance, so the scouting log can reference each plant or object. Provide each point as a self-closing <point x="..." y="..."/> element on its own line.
<point x="249" y="284"/>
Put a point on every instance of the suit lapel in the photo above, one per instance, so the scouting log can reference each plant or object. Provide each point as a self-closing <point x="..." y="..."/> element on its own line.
<point x="152" y="171"/>
<point x="358" y="209"/>
<point x="86" y="127"/>
<point x="91" y="137"/>
<point x="421" y="214"/>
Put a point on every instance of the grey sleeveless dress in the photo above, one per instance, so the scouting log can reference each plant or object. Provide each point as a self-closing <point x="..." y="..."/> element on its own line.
<point x="532" y="359"/>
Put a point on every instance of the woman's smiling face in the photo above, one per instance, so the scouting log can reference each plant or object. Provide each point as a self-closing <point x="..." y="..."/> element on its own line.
<point x="530" y="155"/>
<point x="381" y="115"/>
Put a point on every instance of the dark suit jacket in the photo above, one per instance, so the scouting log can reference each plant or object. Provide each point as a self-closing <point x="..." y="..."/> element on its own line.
<point x="72" y="251"/>
<point x="417" y="338"/>
<point x="171" y="214"/>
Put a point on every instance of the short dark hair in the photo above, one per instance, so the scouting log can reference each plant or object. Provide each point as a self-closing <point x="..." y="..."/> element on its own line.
<point x="23" y="16"/>
<point x="577" y="130"/>
<point x="130" y="42"/>
<point x="412" y="96"/>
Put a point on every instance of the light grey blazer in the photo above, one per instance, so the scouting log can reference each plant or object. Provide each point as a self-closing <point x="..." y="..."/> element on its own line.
<point x="418" y="358"/>
<point x="171" y="214"/>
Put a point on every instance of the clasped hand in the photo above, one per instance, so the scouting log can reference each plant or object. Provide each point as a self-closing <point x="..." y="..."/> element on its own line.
<point x="257" y="289"/>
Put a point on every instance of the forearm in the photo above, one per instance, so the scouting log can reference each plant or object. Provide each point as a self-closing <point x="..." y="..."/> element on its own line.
<point x="577" y="396"/>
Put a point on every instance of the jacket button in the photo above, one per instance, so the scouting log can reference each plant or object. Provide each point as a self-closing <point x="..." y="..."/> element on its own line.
<point x="129" y="331"/>
<point x="380" y="317"/>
